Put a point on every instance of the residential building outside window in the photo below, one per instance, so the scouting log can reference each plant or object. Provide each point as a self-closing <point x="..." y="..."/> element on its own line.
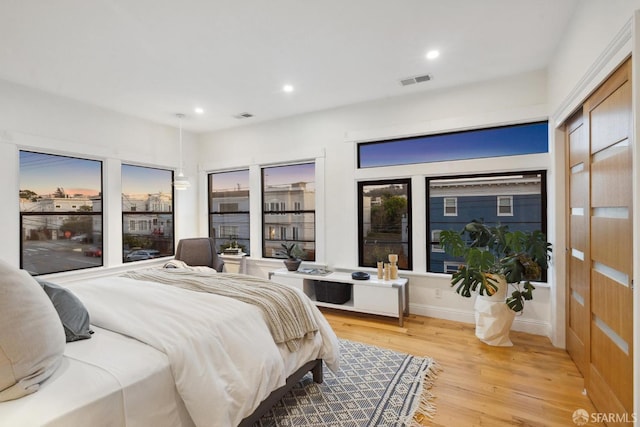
<point x="521" y="199"/>
<point x="147" y="213"/>
<point x="60" y="213"/>
<point x="384" y="209"/>
<point x="282" y="187"/>
<point x="229" y="209"/>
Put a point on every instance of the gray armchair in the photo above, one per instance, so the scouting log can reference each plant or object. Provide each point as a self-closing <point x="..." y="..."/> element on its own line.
<point x="199" y="251"/>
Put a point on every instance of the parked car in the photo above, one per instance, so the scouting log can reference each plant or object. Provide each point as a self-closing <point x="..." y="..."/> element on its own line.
<point x="93" y="251"/>
<point x="141" y="254"/>
<point x="79" y="238"/>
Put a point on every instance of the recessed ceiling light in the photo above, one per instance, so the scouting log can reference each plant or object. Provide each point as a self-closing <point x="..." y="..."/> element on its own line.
<point x="433" y="54"/>
<point x="287" y="88"/>
<point x="198" y="110"/>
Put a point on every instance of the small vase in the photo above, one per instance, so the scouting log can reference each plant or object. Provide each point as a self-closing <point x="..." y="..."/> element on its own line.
<point x="380" y="270"/>
<point x="292" y="264"/>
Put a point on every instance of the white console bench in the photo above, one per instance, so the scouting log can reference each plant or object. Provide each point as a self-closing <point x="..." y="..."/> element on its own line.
<point x="372" y="296"/>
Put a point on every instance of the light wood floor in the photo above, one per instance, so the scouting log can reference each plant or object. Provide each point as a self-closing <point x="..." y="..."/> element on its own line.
<point x="529" y="384"/>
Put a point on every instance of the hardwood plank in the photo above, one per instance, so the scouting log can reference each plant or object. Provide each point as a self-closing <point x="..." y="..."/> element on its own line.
<point x="529" y="384"/>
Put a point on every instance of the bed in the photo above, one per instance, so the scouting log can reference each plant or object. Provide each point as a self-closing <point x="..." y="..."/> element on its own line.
<point x="163" y="355"/>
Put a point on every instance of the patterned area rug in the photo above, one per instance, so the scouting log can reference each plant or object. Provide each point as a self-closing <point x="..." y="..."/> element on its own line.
<point x="374" y="387"/>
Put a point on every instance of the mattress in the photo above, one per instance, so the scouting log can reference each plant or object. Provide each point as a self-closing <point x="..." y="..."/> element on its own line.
<point x="108" y="380"/>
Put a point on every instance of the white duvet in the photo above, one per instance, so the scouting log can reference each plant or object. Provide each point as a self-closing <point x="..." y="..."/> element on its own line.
<point x="222" y="356"/>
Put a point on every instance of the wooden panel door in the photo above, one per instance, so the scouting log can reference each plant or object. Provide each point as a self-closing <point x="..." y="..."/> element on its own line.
<point x="610" y="377"/>
<point x="578" y="267"/>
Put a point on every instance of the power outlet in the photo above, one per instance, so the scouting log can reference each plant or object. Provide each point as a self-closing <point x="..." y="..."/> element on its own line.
<point x="438" y="293"/>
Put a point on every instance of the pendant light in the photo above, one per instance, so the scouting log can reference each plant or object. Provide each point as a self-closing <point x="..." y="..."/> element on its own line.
<point x="181" y="182"/>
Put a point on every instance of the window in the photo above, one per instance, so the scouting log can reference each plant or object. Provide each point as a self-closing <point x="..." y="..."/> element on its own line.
<point x="60" y="213"/>
<point x="521" y="203"/>
<point x="435" y="241"/>
<point x="450" y="206"/>
<point x="384" y="224"/>
<point x="512" y="140"/>
<point x="282" y="186"/>
<point x="505" y="205"/>
<point x="229" y="209"/>
<point x="147" y="213"/>
<point x="451" y="267"/>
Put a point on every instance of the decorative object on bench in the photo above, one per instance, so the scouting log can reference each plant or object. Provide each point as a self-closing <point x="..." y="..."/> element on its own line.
<point x="360" y="275"/>
<point x="199" y="251"/>
<point x="494" y="259"/>
<point x="393" y="266"/>
<point x="293" y="253"/>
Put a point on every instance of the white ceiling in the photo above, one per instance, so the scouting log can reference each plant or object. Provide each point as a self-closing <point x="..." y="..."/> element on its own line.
<point x="155" y="58"/>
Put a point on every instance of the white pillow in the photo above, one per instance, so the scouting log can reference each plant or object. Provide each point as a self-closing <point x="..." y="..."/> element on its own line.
<point x="32" y="338"/>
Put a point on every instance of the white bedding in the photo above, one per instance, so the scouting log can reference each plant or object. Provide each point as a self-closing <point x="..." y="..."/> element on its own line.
<point x="109" y="380"/>
<point x="222" y="356"/>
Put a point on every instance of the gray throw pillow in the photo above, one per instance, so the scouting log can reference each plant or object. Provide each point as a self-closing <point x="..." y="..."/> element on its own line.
<point x="73" y="314"/>
<point x="31" y="335"/>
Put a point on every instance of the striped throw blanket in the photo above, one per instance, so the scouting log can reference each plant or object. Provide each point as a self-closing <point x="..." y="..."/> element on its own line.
<point x="286" y="313"/>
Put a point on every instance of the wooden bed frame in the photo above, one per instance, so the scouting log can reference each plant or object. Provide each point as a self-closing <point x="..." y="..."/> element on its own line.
<point x="315" y="367"/>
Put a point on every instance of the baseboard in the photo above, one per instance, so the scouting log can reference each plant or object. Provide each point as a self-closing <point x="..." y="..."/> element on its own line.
<point x="520" y="324"/>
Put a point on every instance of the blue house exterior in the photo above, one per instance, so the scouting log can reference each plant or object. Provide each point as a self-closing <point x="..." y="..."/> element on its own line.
<point x="512" y="201"/>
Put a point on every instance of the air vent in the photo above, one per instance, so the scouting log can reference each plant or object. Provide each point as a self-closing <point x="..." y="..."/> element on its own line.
<point x="416" y="79"/>
<point x="243" y="116"/>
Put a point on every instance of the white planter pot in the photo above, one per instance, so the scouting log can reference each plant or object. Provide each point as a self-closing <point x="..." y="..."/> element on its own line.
<point x="493" y="317"/>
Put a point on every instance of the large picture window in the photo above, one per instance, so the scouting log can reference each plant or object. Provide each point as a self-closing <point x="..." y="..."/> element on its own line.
<point x="229" y="209"/>
<point x="288" y="216"/>
<point x="384" y="222"/>
<point x="516" y="199"/>
<point x="60" y="213"/>
<point x="147" y="213"/>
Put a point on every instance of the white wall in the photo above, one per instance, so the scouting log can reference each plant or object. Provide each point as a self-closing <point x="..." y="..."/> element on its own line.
<point x="34" y="120"/>
<point x="331" y="136"/>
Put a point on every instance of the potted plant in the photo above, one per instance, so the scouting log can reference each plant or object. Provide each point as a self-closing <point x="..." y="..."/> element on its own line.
<point x="293" y="254"/>
<point x="496" y="259"/>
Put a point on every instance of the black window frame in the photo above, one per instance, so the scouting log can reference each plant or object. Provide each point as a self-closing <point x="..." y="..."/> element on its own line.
<point x="401" y="181"/>
<point x="131" y="214"/>
<point x="24" y="214"/>
<point x="221" y="212"/>
<point x="285" y="211"/>
<point x="543" y="204"/>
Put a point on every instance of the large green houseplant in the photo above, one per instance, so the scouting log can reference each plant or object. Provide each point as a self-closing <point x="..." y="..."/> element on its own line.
<point x="517" y="256"/>
<point x="494" y="260"/>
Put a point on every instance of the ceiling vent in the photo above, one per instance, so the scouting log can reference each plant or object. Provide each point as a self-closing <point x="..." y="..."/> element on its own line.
<point x="243" y="116"/>
<point x="416" y="79"/>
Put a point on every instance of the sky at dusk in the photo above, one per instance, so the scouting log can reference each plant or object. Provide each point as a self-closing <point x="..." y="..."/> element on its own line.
<point x="494" y="142"/>
<point x="144" y="180"/>
<point x="230" y="180"/>
<point x="281" y="175"/>
<point x="45" y="173"/>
